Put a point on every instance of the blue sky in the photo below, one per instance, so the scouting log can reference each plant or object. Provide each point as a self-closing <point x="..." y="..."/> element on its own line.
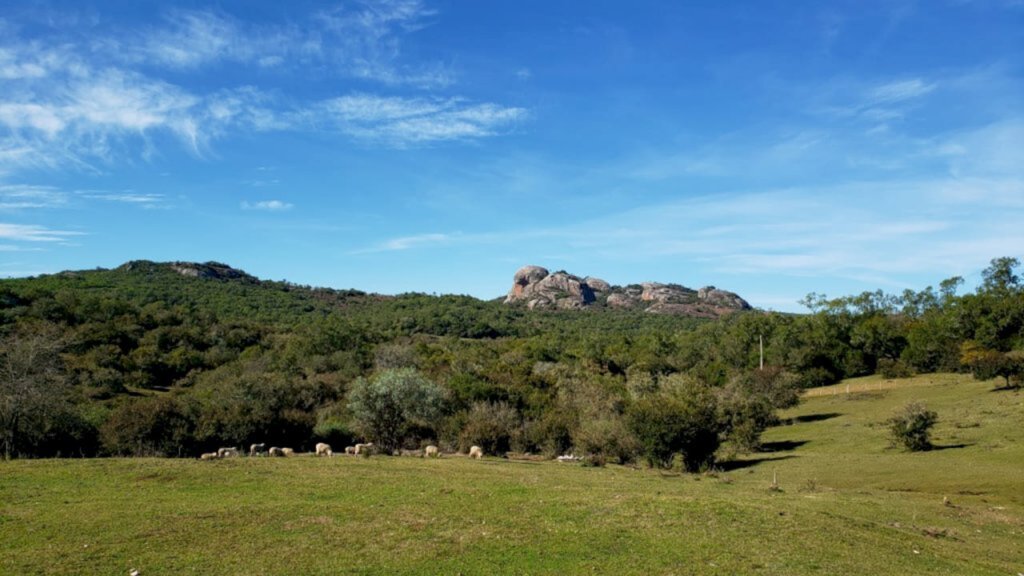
<point x="772" y="148"/>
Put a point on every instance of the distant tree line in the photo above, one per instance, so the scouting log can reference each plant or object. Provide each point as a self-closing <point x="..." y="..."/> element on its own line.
<point x="148" y="362"/>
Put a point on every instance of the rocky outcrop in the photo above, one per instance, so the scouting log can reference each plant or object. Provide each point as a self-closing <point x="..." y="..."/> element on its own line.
<point x="206" y="270"/>
<point x="537" y="288"/>
<point x="540" y="289"/>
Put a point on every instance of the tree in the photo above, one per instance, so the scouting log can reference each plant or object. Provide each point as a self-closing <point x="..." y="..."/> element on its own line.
<point x="390" y="405"/>
<point x="33" y="390"/>
<point x="682" y="419"/>
<point x="986" y="364"/>
<point x="1000" y="277"/>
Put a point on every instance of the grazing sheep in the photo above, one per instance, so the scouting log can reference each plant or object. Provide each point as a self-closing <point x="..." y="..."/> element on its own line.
<point x="431" y="451"/>
<point x="366" y="449"/>
<point x="476" y="452"/>
<point x="227" y="452"/>
<point x="350" y="449"/>
<point x="275" y="451"/>
<point x="257" y="449"/>
<point x="323" y="449"/>
<point x="288" y="451"/>
<point x="209" y="456"/>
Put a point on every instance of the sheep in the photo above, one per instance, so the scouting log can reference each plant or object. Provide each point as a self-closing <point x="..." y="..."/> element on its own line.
<point x="209" y="456"/>
<point x="350" y="450"/>
<point x="227" y="452"/>
<point x="364" y="449"/>
<point x="257" y="449"/>
<point x="323" y="449"/>
<point x="476" y="452"/>
<point x="431" y="451"/>
<point x="275" y="451"/>
<point x="287" y="451"/>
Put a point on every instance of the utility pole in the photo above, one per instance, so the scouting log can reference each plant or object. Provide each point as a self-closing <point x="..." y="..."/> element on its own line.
<point x="760" y="346"/>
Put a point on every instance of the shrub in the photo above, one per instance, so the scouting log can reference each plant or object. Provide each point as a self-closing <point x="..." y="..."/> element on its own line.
<point x="491" y="426"/>
<point x="910" y="427"/>
<point x="156" y="426"/>
<point x="606" y="438"/>
<point x="681" y="420"/>
<point x="890" y="368"/>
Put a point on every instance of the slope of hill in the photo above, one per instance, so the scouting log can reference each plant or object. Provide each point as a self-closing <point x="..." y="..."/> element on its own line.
<point x="846" y="503"/>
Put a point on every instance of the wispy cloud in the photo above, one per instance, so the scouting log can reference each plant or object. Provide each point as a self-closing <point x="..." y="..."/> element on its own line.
<point x="21" y="197"/>
<point x="404" y="121"/>
<point x="34" y="233"/>
<point x="358" y="39"/>
<point x="268" y="206"/>
<point x="407" y="242"/>
<point x="899" y="91"/>
<point x="143" y="200"/>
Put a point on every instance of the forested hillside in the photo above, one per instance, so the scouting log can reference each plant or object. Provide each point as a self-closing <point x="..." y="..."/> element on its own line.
<point x="174" y="359"/>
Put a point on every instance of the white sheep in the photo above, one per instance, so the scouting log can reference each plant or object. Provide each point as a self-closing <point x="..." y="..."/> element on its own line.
<point x="350" y="449"/>
<point x="476" y="452"/>
<point x="275" y="451"/>
<point x="227" y="452"/>
<point x="431" y="451"/>
<point x="323" y="449"/>
<point x="257" y="449"/>
<point x="209" y="456"/>
<point x="366" y="449"/>
<point x="288" y="451"/>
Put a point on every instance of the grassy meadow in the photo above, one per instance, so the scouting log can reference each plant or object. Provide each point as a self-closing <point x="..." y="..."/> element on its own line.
<point x="846" y="503"/>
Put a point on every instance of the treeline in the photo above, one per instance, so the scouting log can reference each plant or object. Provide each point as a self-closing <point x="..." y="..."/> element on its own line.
<point x="145" y="361"/>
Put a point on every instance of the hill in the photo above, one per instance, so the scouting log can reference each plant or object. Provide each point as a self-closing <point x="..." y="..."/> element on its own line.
<point x="846" y="504"/>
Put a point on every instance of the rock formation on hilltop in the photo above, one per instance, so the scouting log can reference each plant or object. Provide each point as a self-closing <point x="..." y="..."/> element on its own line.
<point x="208" y="270"/>
<point x="539" y="289"/>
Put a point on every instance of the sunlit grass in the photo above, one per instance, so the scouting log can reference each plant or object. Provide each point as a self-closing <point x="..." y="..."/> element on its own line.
<point x="847" y="504"/>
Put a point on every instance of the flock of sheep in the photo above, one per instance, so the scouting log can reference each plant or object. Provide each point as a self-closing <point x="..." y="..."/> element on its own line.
<point x="323" y="449"/>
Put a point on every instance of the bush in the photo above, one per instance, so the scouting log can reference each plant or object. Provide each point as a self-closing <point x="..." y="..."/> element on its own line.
<point x="606" y="438"/>
<point x="682" y="420"/>
<point x="492" y="427"/>
<point x="910" y="427"/>
<point x="156" y="426"/>
<point x="890" y="368"/>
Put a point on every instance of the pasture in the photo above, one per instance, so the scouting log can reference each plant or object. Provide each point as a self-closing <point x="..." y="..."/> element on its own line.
<point x="846" y="503"/>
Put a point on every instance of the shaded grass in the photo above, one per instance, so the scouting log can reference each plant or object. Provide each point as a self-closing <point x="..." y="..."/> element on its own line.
<point x="848" y="504"/>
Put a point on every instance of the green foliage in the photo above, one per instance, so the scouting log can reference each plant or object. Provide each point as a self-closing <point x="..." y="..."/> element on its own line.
<point x="986" y="364"/>
<point x="389" y="407"/>
<point x="911" y="427"/>
<point x="34" y="395"/>
<point x="747" y="405"/>
<point x="267" y="361"/>
<point x="894" y="368"/>
<point x="156" y="426"/>
<point x="491" y="426"/>
<point x="682" y="419"/>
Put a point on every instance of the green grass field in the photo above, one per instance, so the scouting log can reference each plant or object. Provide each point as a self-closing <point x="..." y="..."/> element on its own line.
<point x="847" y="504"/>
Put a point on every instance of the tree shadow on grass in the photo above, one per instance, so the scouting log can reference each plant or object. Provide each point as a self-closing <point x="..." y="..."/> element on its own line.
<point x="812" y="418"/>
<point x="782" y="445"/>
<point x="937" y="447"/>
<point x="740" y="464"/>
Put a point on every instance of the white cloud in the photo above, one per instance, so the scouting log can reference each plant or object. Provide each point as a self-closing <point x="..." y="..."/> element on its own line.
<point x="33" y="233"/>
<point x="404" y="121"/>
<point x="407" y="242"/>
<point x="899" y="91"/>
<point x="146" y="200"/>
<point x="20" y="197"/>
<point x="267" y="205"/>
